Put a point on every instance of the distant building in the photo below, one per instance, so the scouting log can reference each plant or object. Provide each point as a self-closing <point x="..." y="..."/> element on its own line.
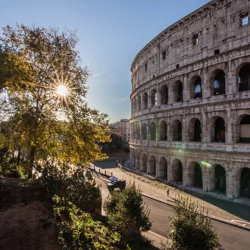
<point x="121" y="128"/>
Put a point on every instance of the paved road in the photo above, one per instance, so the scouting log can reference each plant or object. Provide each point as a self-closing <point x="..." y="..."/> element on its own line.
<point x="231" y="238"/>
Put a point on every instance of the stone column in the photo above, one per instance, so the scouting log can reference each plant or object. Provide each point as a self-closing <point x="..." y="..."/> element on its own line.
<point x="185" y="90"/>
<point x="170" y="173"/>
<point x="157" y="170"/>
<point x="157" y="126"/>
<point x="185" y="129"/>
<point x="158" y="95"/>
<point x="205" y="85"/>
<point x="210" y="179"/>
<point x="231" y="85"/>
<point x="149" y="99"/>
<point x="229" y="131"/>
<point x="230" y="184"/>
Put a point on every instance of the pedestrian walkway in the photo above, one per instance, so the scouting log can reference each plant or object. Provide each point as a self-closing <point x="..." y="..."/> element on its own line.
<point x="224" y="210"/>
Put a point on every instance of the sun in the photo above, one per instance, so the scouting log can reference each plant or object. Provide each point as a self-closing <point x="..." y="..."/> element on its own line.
<point x="61" y="90"/>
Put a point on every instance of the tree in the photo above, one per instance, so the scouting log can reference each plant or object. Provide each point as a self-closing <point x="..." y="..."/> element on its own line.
<point x="44" y="122"/>
<point x="127" y="213"/>
<point x="190" y="228"/>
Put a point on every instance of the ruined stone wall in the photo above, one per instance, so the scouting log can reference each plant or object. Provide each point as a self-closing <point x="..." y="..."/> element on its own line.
<point x="212" y="39"/>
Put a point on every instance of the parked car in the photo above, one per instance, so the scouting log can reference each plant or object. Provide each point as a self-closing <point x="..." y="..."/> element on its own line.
<point x="121" y="184"/>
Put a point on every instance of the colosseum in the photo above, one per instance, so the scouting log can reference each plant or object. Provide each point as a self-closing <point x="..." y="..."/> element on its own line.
<point x="190" y="102"/>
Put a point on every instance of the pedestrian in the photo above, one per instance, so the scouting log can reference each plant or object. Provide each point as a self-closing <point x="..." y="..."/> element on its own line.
<point x="167" y="192"/>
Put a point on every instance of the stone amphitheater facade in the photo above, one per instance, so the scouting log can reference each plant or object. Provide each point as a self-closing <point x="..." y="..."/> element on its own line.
<point x="190" y="101"/>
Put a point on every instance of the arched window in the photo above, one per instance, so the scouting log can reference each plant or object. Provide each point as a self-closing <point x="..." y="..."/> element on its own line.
<point x="197" y="88"/>
<point x="153" y="98"/>
<point x="220" y="179"/>
<point x="219" y="83"/>
<point x="194" y="130"/>
<point x="245" y="183"/>
<point x="177" y="171"/>
<point x="178" y="91"/>
<point x="245" y="129"/>
<point x="244" y="78"/>
<point x="144" y="131"/>
<point x="152" y="131"/>
<point x="139" y="103"/>
<point x="152" y="166"/>
<point x="219" y="130"/>
<point x="164" y="94"/>
<point x="177" y="131"/>
<point x="145" y="101"/>
<point x="163" y="131"/>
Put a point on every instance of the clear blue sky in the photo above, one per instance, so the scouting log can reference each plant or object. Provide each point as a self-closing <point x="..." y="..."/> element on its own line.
<point x="111" y="33"/>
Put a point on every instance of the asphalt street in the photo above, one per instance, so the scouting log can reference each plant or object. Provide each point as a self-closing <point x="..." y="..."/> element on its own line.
<point x="230" y="237"/>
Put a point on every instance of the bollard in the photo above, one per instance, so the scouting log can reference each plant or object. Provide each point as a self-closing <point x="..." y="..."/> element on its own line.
<point x="99" y="170"/>
<point x="105" y="172"/>
<point x="111" y="173"/>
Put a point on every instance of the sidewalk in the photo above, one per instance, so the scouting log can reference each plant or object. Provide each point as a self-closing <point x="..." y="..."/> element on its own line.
<point x="218" y="209"/>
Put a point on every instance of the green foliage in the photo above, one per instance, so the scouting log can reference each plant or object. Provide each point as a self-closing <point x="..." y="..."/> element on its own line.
<point x="69" y="183"/>
<point x="127" y="213"/>
<point x="43" y="124"/>
<point x="191" y="228"/>
<point x="77" y="230"/>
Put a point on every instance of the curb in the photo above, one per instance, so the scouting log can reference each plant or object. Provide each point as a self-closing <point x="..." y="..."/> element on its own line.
<point x="125" y="169"/>
<point x="171" y="205"/>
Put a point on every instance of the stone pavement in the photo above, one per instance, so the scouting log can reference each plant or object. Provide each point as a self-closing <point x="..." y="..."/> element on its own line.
<point x="219" y="209"/>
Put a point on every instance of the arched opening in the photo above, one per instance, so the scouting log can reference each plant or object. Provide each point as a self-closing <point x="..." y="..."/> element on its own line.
<point x="144" y="163"/>
<point x="197" y="175"/>
<point x="219" y="82"/>
<point x="152" y="131"/>
<point x="177" y="171"/>
<point x="163" y="173"/>
<point x="219" y="130"/>
<point x="245" y="129"/>
<point x="196" y="91"/>
<point x="153" y="98"/>
<point x="244" y="78"/>
<point x="145" y="101"/>
<point x="163" y="131"/>
<point x="144" y="131"/>
<point x="152" y="166"/>
<point x="177" y="131"/>
<point x="178" y="91"/>
<point x="164" y="94"/>
<point x="245" y="183"/>
<point x="220" y="179"/>
<point x="195" y="130"/>
<point x="139" y="103"/>
<point x="137" y="131"/>
<point x="137" y="165"/>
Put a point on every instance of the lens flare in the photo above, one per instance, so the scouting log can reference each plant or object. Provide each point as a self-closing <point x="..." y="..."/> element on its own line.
<point x="62" y="90"/>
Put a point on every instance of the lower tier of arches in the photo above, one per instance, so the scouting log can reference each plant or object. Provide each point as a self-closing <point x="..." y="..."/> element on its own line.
<point x="211" y="173"/>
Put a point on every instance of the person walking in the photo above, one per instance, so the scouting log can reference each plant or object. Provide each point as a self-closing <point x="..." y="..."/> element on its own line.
<point x="167" y="192"/>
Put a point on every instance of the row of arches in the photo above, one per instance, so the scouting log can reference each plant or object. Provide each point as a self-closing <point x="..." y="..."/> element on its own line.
<point x="216" y="127"/>
<point x="217" y="87"/>
<point x="193" y="175"/>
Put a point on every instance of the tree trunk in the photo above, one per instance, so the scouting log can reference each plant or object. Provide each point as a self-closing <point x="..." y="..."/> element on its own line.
<point x="31" y="160"/>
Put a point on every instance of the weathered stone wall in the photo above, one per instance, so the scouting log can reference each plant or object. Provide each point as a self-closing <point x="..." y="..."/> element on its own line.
<point x="176" y="56"/>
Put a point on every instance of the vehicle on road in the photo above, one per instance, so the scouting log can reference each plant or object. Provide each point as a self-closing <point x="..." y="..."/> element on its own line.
<point x="121" y="184"/>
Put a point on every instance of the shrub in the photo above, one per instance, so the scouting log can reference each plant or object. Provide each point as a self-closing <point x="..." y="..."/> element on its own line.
<point x="190" y="228"/>
<point x="127" y="213"/>
<point x="73" y="186"/>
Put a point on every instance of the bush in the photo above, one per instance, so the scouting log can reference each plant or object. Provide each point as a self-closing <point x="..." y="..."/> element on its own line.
<point x="73" y="186"/>
<point x="190" y="228"/>
<point x="77" y="230"/>
<point x="127" y="213"/>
